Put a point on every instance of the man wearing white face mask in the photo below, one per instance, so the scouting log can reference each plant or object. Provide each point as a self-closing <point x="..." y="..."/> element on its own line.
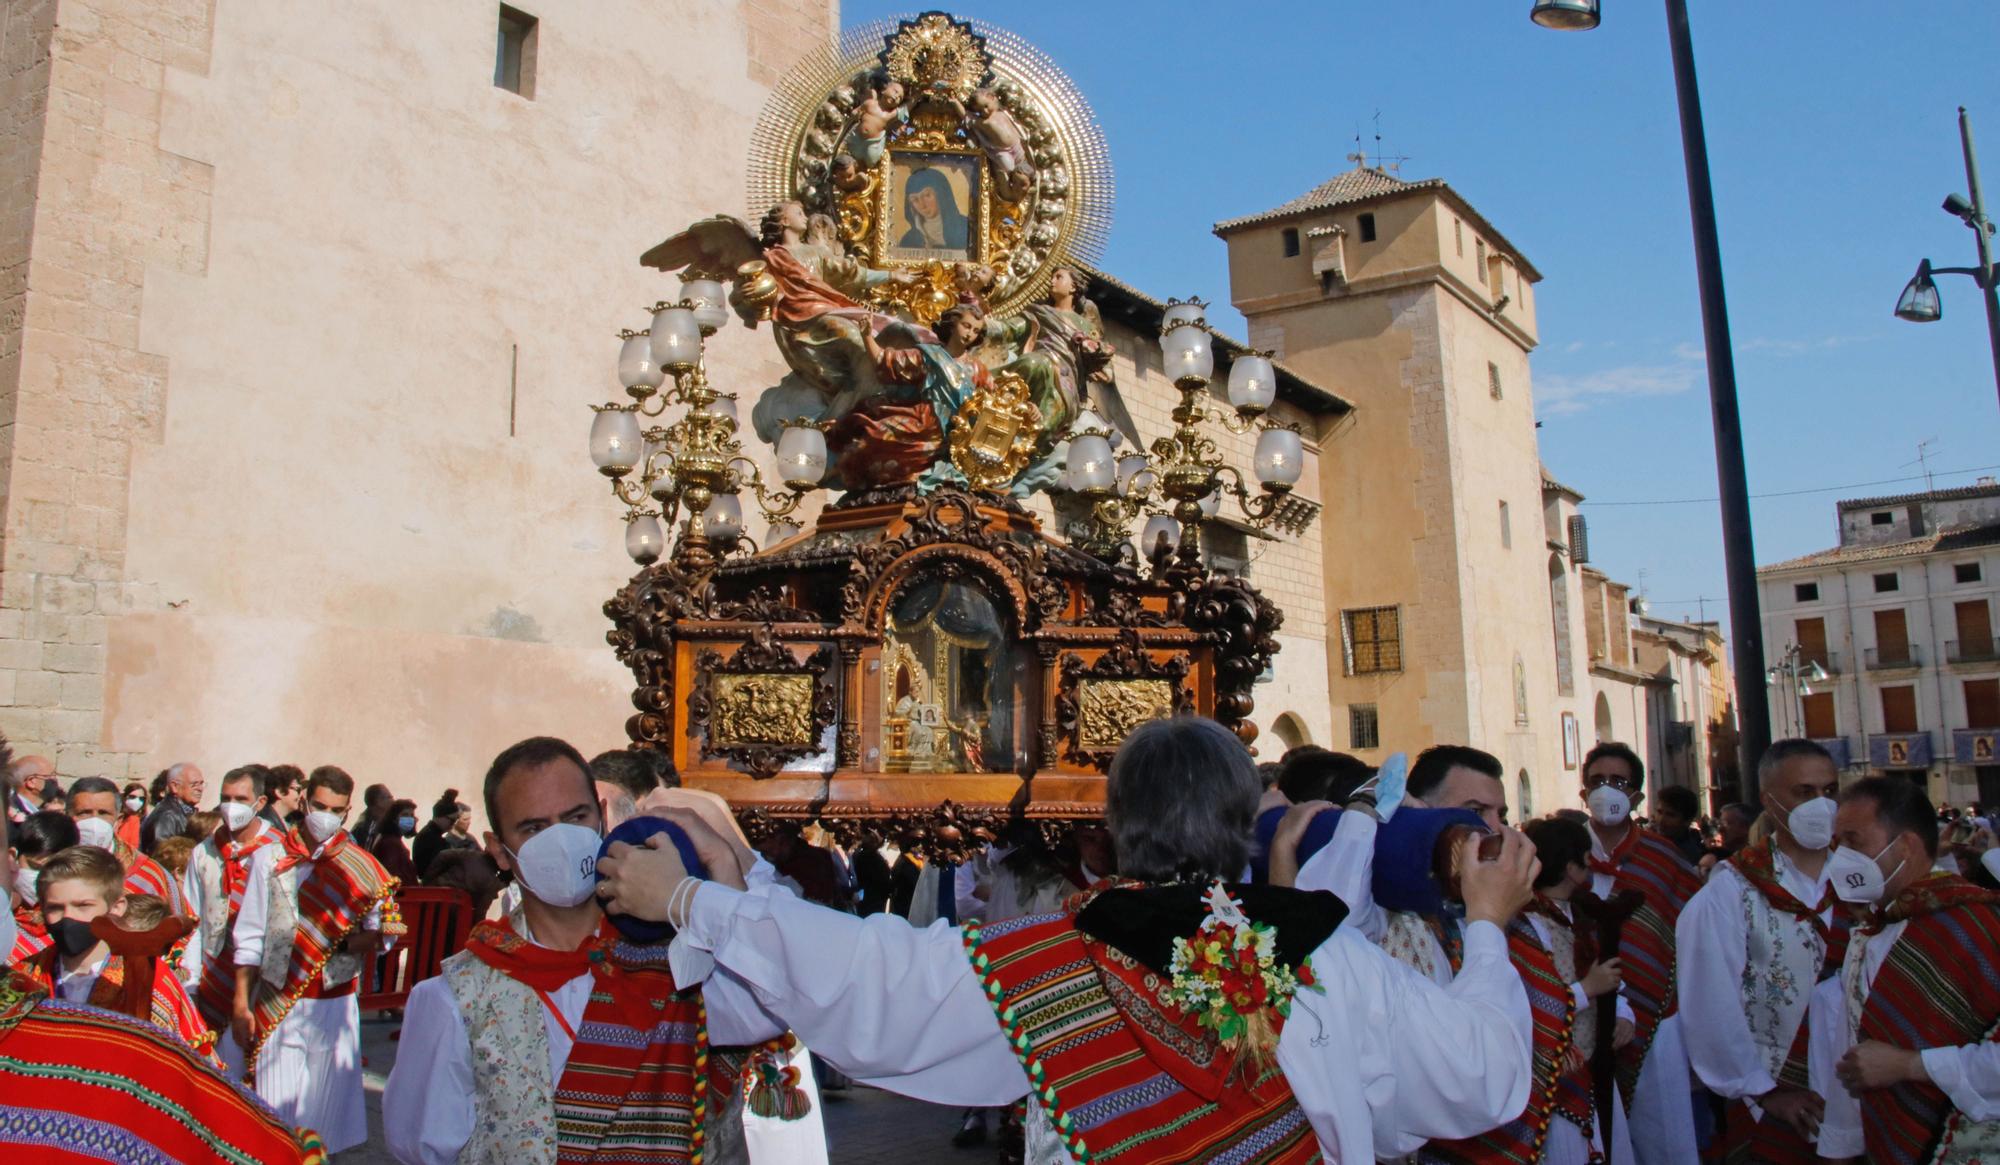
<point x="315" y="906"/>
<point x="550" y="1035"/>
<point x="1902" y="1040"/>
<point x="1752" y="943"/>
<point x="218" y="870"/>
<point x="93" y="805"/>
<point x="1653" y="1068"/>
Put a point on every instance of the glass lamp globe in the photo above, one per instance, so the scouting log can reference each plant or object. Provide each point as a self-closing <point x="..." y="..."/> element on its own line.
<point x="1211" y="503"/>
<point x="782" y="530"/>
<point x="1187" y="353"/>
<point x="637" y="370"/>
<point x="802" y="456"/>
<point x="1134" y="468"/>
<point x="616" y="444"/>
<point x="1157" y="526"/>
<point x="1919" y="303"/>
<point x="1193" y="311"/>
<point x="1280" y="457"/>
<point x="644" y="539"/>
<point x="676" y="338"/>
<point x="724" y="519"/>
<point x="723" y="405"/>
<point x="1565" y="15"/>
<point x="711" y="303"/>
<point x="1091" y="469"/>
<point x="1253" y="383"/>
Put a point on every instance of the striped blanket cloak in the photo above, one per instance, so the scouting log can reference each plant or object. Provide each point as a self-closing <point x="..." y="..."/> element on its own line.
<point x="336" y="890"/>
<point x="104" y="1087"/>
<point x="1650" y="864"/>
<point x="1557" y="1083"/>
<point x="1924" y="997"/>
<point x="173" y="1012"/>
<point x="635" y="1088"/>
<point x="1123" y="1076"/>
<point x="1745" y="1139"/>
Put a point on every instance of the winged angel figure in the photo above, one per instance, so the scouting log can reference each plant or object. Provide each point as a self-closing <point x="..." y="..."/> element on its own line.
<point x="847" y="359"/>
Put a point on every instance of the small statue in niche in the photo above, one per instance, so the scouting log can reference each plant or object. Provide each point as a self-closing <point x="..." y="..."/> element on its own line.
<point x="968" y="739"/>
<point x="999" y="136"/>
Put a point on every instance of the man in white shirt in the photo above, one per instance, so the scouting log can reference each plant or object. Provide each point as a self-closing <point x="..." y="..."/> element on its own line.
<point x="218" y="870"/>
<point x="1374" y="1061"/>
<point x="1751" y="944"/>
<point x="518" y="1050"/>
<point x="1902" y="1043"/>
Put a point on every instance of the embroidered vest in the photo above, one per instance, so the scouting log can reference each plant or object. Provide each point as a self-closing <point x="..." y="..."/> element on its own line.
<point x="513" y="1098"/>
<point x="635" y="1086"/>
<point x="1923" y="997"/>
<point x="1088" y="1026"/>
<point x="1788" y="947"/>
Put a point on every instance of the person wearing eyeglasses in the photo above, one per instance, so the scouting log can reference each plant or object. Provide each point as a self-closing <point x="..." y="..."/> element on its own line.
<point x="1653" y="1069"/>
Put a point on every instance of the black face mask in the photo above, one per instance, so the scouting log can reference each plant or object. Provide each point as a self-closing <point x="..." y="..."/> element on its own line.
<point x="72" y="937"/>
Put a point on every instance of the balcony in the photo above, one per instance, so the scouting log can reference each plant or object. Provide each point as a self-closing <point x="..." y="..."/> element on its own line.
<point x="1898" y="657"/>
<point x="1985" y="650"/>
<point x="1975" y="746"/>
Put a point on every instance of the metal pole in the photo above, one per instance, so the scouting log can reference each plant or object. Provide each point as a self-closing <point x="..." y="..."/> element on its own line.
<point x="1979" y="226"/>
<point x="1746" y="631"/>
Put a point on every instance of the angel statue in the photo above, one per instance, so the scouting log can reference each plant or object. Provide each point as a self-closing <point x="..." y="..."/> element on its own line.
<point x="1058" y="347"/>
<point x="904" y="427"/>
<point x="813" y="292"/>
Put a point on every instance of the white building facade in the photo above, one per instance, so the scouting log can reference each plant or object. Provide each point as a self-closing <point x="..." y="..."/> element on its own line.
<point x="1882" y="647"/>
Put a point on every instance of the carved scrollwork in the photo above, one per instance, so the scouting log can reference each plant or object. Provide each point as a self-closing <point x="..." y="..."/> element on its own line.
<point x="947" y="536"/>
<point x="1243" y="625"/>
<point x="1099" y="703"/>
<point x="643" y="614"/>
<point x="762" y="706"/>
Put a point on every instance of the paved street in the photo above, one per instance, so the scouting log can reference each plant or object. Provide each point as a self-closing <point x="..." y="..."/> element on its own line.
<point x="863" y="1126"/>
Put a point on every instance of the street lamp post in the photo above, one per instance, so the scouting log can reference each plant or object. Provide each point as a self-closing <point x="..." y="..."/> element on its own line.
<point x="1919" y="302"/>
<point x="1753" y="714"/>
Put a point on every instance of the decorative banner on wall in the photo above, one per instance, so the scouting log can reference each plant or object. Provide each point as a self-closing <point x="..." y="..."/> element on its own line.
<point x="1975" y="746"/>
<point x="1900" y="751"/>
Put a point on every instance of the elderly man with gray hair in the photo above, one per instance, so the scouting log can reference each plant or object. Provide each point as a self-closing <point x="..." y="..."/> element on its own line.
<point x="169" y="818"/>
<point x="27" y="780"/>
<point x="1168" y="1014"/>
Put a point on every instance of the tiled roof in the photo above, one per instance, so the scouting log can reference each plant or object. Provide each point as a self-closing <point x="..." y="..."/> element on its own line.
<point x="1143" y="311"/>
<point x="1955" y="538"/>
<point x="1985" y="489"/>
<point x="1365" y="184"/>
<point x="1356" y="185"/>
<point x="1551" y="485"/>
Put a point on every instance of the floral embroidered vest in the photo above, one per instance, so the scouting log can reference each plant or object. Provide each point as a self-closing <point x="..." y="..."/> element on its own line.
<point x="513" y="1097"/>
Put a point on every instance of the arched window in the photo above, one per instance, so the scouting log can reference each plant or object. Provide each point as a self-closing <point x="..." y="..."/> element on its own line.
<point x="1524" y="796"/>
<point x="1559" y="614"/>
<point x="1290" y="731"/>
<point x="1604" y="730"/>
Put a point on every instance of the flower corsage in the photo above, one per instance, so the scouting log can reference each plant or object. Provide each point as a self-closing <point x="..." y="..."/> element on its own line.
<point x="1229" y="979"/>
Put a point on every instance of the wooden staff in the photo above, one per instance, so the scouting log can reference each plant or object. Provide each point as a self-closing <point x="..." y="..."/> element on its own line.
<point x="1609" y="918"/>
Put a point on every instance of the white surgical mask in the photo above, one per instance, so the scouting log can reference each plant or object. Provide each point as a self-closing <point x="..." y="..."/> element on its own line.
<point x="1608" y="804"/>
<point x="559" y="864"/>
<point x="24" y="885"/>
<point x="1858" y="878"/>
<point x="95" y="831"/>
<point x="1811" y="822"/>
<point x="1991" y="860"/>
<point x="135" y="803"/>
<point x="321" y="825"/>
<point x="236" y="815"/>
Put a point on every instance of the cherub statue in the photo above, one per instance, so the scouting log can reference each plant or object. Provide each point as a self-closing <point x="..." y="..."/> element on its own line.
<point x="873" y="118"/>
<point x="853" y="196"/>
<point x="995" y="132"/>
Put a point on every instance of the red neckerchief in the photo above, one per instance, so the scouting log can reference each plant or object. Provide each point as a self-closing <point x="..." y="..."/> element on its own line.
<point x="544" y="970"/>
<point x="1930" y="894"/>
<point x="297" y="852"/>
<point x="1757" y="865"/>
<point x="236" y="856"/>
<point x="1611" y="862"/>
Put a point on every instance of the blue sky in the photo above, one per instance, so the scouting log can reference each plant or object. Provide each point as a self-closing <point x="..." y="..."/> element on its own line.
<point x="1832" y="137"/>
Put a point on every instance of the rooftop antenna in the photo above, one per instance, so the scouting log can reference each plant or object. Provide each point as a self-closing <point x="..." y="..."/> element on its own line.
<point x="1387" y="163"/>
<point x="1924" y="459"/>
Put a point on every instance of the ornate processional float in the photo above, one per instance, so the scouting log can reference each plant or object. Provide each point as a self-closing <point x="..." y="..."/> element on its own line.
<point x="926" y="655"/>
